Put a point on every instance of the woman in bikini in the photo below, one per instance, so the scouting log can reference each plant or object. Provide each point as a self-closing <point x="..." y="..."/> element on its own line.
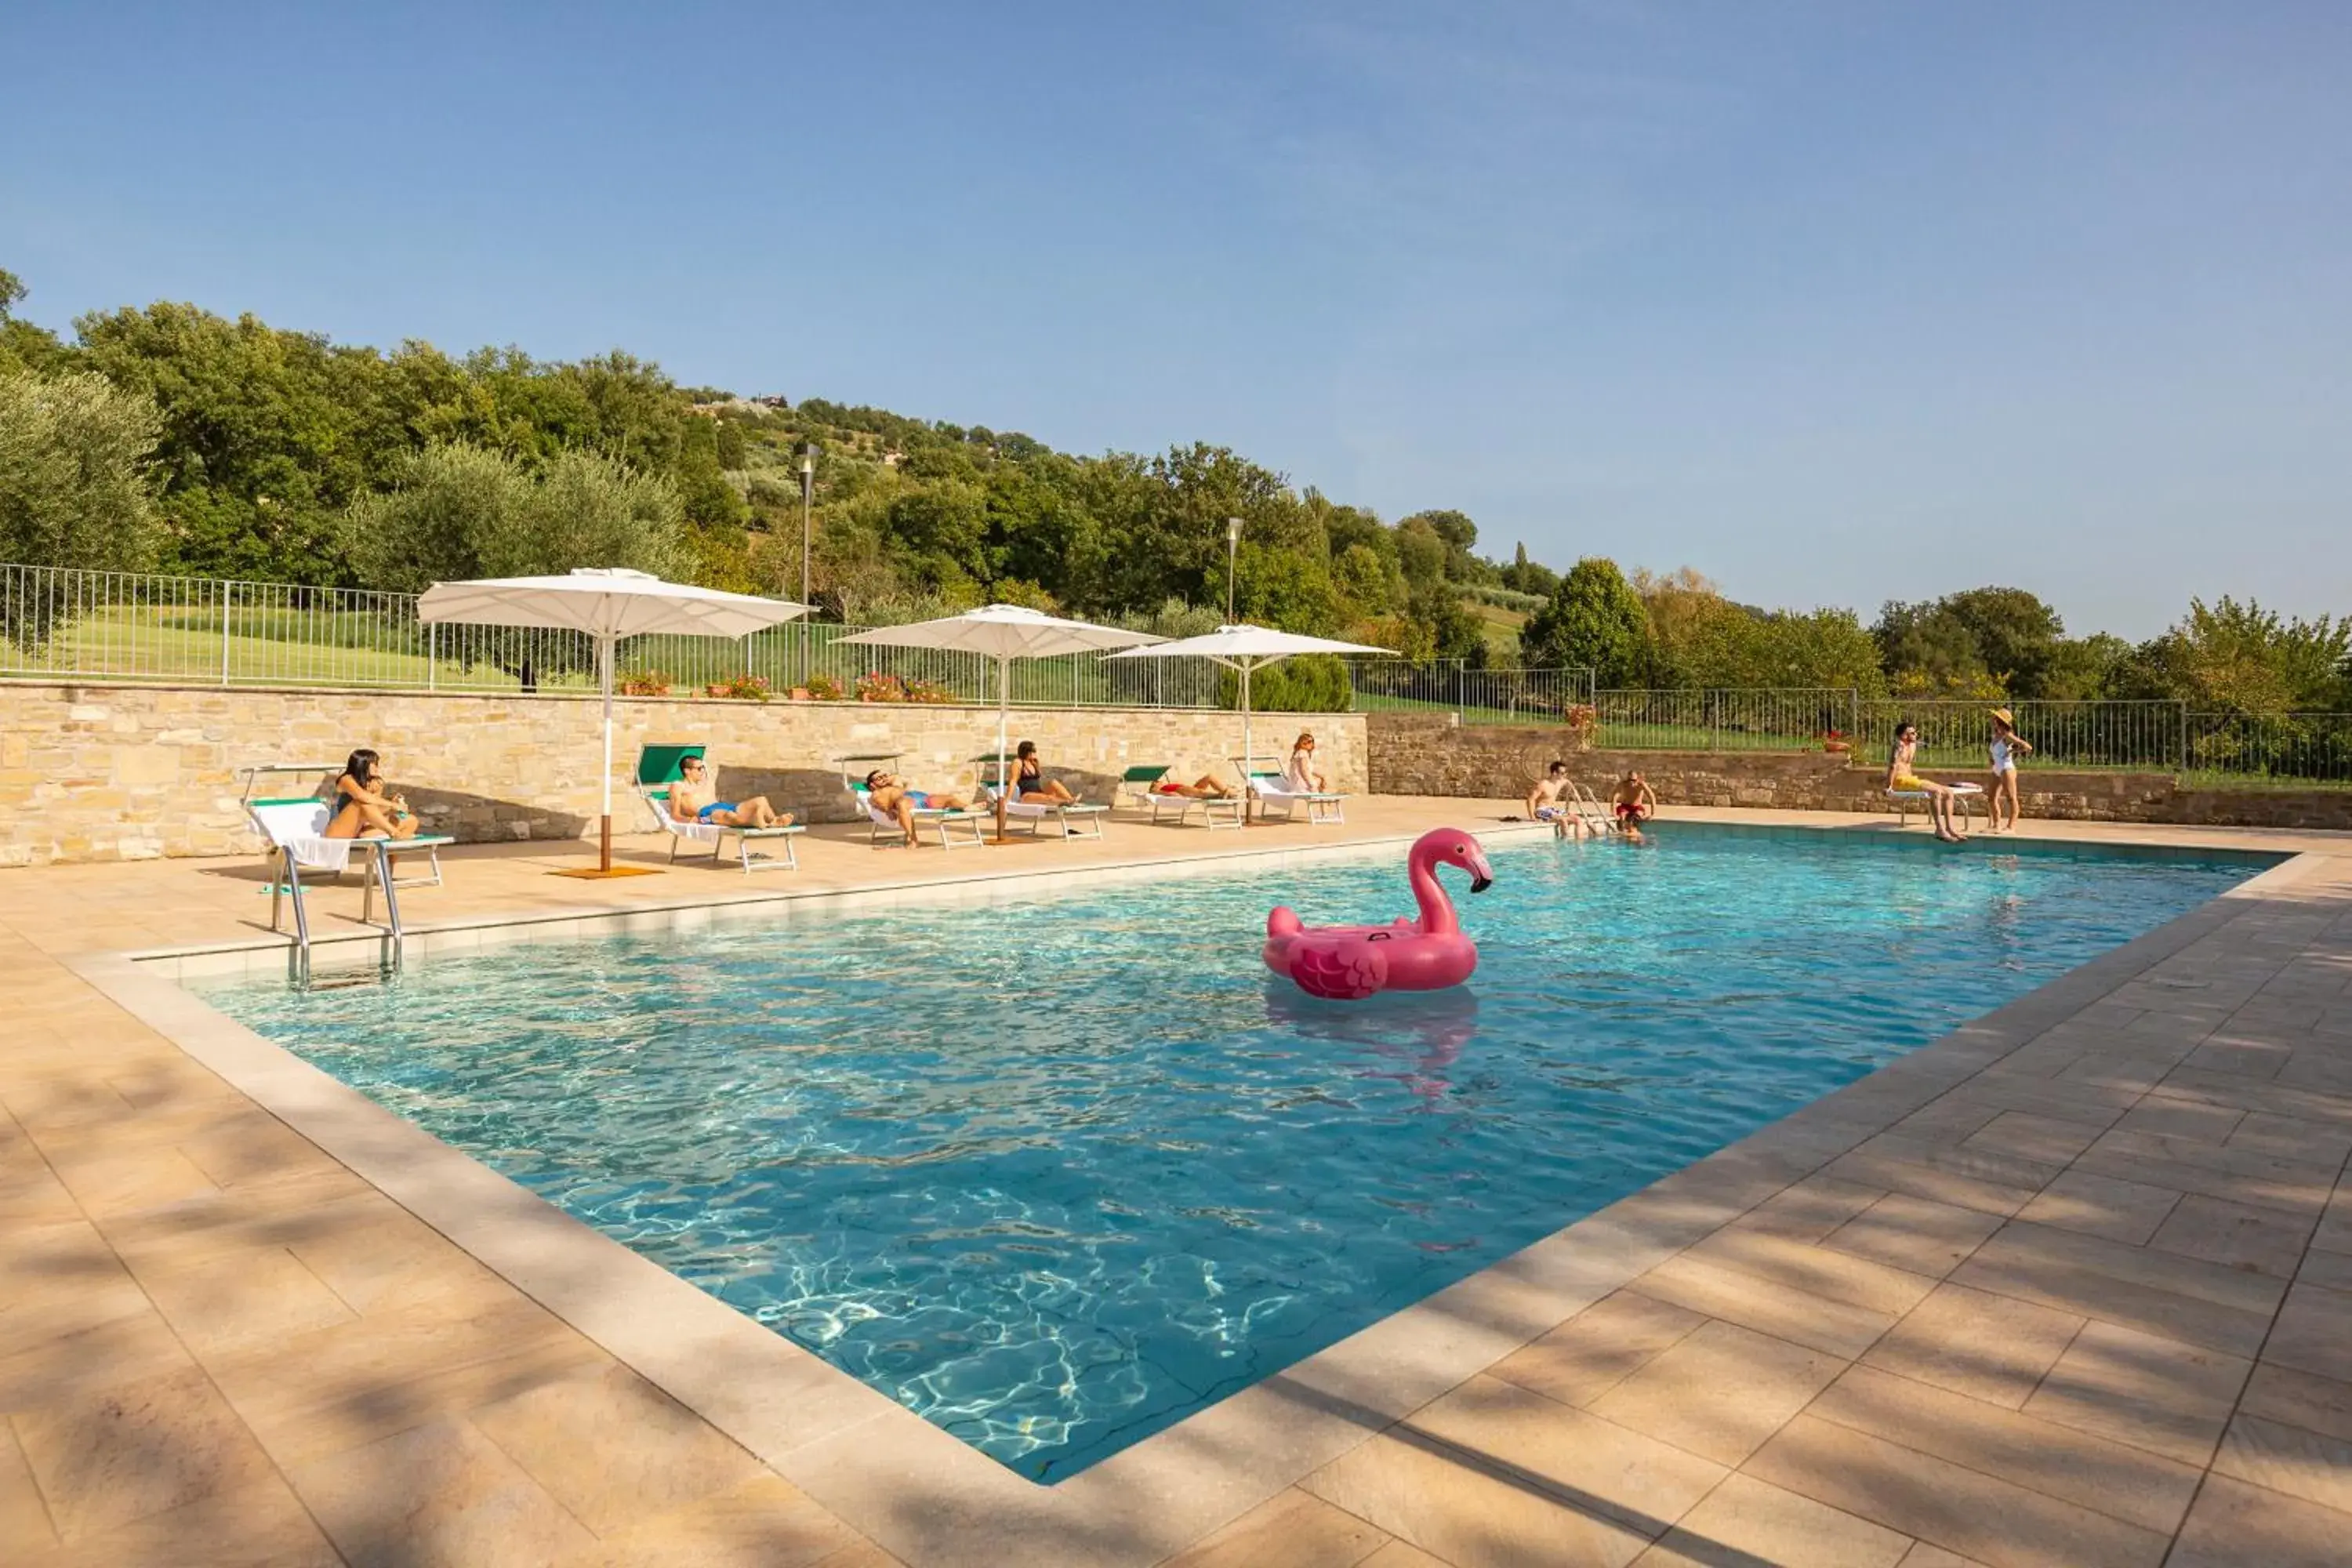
<point x="362" y="809"/>
<point x="1901" y="776"/>
<point x="1030" y="782"/>
<point x="1205" y="787"/>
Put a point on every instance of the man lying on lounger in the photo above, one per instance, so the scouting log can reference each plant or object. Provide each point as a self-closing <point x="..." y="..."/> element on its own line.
<point x="887" y="792"/>
<point x="690" y="801"/>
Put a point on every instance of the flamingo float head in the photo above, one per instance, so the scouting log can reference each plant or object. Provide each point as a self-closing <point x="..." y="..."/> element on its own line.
<point x="1451" y="847"/>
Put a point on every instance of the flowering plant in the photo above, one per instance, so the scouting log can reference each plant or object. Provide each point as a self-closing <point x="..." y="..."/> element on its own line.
<point x="753" y="688"/>
<point x="1583" y="721"/>
<point x="873" y="687"/>
<point x="643" y="683"/>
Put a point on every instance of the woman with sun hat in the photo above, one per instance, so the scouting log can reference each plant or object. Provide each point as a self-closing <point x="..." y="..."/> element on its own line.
<point x="2008" y="745"/>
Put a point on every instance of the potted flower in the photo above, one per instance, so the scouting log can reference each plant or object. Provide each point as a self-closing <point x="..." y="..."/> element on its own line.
<point x="820" y="689"/>
<point x="643" y="683"/>
<point x="1835" y="741"/>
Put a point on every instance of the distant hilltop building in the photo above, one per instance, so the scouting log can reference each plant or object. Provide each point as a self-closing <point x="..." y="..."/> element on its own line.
<point x="713" y="408"/>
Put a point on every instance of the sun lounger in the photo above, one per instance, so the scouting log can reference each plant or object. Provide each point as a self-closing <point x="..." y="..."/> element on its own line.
<point x="1077" y="818"/>
<point x="1904" y="801"/>
<point x="657" y="772"/>
<point x="297" y="830"/>
<point x="1141" y="785"/>
<point x="1273" y="790"/>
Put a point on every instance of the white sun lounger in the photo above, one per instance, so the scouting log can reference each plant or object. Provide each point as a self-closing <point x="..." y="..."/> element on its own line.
<point x="1904" y="801"/>
<point x="1273" y="790"/>
<point x="1077" y="818"/>
<point x="296" y="829"/>
<point x="657" y="771"/>
<point x="1141" y="786"/>
<point x="925" y="816"/>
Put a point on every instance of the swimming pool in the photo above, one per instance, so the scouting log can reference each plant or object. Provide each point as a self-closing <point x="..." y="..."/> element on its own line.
<point x="1056" y="1173"/>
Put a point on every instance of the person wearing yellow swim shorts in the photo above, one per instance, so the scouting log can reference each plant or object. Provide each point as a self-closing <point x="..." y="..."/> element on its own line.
<point x="1940" y="798"/>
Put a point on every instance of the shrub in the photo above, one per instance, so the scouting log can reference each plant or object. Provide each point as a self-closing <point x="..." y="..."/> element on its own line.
<point x="751" y="687"/>
<point x="643" y="683"/>
<point x="821" y="688"/>
<point x="1583" y="722"/>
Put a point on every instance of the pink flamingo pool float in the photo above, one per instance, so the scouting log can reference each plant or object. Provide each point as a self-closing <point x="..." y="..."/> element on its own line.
<point x="1348" y="963"/>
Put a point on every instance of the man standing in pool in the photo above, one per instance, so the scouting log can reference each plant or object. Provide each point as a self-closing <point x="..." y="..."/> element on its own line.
<point x="1634" y="803"/>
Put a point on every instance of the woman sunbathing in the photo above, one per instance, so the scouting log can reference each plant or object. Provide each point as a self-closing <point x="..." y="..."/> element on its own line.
<point x="690" y="801"/>
<point x="1030" y="782"/>
<point x="1300" y="777"/>
<point x="362" y="809"/>
<point x="1205" y="787"/>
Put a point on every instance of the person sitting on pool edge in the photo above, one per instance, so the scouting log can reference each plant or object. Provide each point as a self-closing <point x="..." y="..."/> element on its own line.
<point x="1635" y="804"/>
<point x="889" y="794"/>
<point x="362" y="808"/>
<point x="1030" y="782"/>
<point x="1547" y="802"/>
<point x="690" y="801"/>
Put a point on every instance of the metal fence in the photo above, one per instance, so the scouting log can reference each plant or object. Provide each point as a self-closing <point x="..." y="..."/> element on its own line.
<point x="1752" y="719"/>
<point x="57" y="624"/>
<point x="1480" y="696"/>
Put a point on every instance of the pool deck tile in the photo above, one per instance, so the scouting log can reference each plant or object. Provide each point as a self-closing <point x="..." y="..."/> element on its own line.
<point x="2072" y="1286"/>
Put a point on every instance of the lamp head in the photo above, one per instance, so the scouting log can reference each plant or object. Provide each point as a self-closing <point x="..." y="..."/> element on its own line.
<point x="1232" y="530"/>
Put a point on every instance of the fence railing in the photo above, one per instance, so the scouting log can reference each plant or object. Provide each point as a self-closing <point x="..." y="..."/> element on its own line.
<point x="61" y="625"/>
<point x="1481" y="695"/>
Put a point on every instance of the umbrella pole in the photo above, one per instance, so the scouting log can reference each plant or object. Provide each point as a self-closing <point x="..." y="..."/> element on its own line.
<point x="1004" y="710"/>
<point x="1247" y="759"/>
<point x="605" y="867"/>
<point x="604" y="823"/>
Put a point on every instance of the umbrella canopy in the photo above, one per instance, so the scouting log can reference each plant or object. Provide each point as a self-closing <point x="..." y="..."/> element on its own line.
<point x="1003" y="632"/>
<point x="607" y="603"/>
<point x="1244" y="649"/>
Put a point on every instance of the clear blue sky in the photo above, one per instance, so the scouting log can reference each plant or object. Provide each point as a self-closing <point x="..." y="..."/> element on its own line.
<point x="1836" y="301"/>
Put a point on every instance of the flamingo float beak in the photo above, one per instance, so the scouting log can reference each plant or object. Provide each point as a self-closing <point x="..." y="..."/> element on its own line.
<point x="1481" y="876"/>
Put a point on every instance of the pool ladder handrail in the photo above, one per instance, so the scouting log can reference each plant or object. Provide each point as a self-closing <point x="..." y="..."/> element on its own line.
<point x="298" y="957"/>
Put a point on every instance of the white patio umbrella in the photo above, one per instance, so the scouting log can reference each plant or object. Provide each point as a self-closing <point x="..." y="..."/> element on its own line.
<point x="1003" y="632"/>
<point x="1244" y="649"/>
<point x="608" y="602"/>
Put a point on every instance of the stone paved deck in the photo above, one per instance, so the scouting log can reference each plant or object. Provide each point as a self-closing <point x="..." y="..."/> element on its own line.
<point x="2073" y="1287"/>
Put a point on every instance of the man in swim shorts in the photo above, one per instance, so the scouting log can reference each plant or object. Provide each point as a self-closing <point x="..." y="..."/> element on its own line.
<point x="1635" y="804"/>
<point x="1549" y="801"/>
<point x="1900" y="777"/>
<point x="889" y="794"/>
<point x="690" y="801"/>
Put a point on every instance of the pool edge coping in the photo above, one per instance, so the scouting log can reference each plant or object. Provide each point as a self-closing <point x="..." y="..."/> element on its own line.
<point x="927" y="1496"/>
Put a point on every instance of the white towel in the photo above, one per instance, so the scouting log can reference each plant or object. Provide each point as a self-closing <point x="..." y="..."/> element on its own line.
<point x="322" y="854"/>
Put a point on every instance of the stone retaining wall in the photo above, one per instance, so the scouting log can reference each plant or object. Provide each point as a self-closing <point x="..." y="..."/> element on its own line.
<point x="1418" y="754"/>
<point x="115" y="772"/>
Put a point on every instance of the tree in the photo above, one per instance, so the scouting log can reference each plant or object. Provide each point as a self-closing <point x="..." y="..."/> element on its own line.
<point x="76" y="482"/>
<point x="23" y="346"/>
<point x="464" y="511"/>
<point x="2234" y="657"/>
<point x="1594" y="619"/>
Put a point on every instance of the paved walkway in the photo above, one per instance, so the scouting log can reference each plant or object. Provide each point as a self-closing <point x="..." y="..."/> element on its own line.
<point x="2071" y="1287"/>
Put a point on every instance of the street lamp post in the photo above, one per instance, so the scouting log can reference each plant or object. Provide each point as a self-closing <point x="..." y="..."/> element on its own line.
<point x="1233" y="543"/>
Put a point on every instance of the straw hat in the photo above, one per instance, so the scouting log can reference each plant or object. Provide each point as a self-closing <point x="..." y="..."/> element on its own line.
<point x="2003" y="715"/>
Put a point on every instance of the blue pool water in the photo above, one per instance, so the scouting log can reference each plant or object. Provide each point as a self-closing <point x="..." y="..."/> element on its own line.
<point x="1057" y="1174"/>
